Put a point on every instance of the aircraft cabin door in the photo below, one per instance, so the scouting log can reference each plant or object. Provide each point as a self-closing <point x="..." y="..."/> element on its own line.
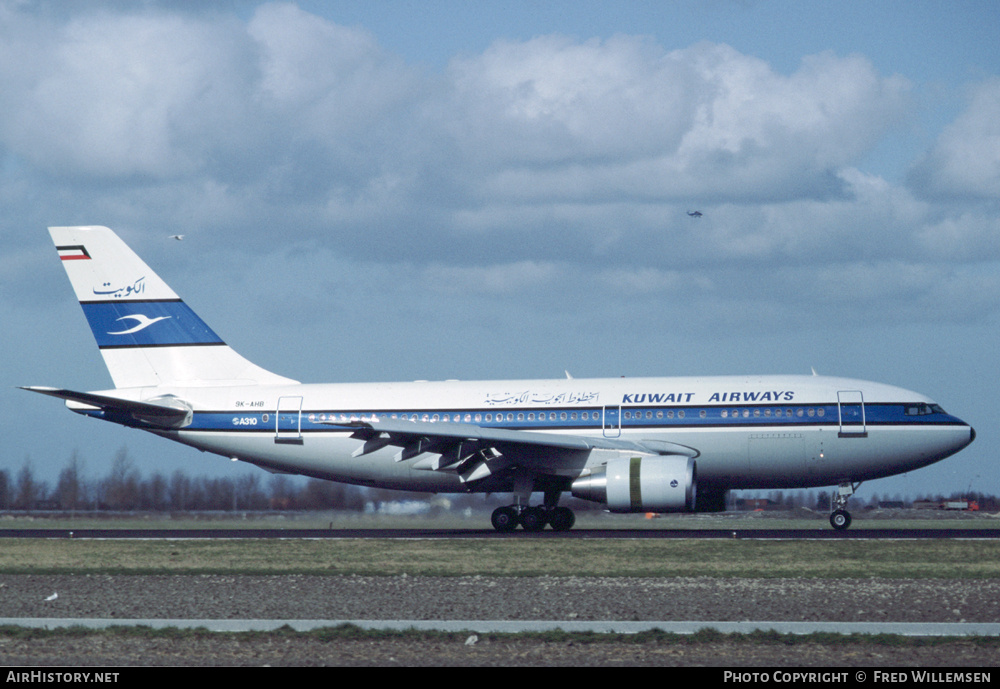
<point x="851" y="408"/>
<point x="288" y="421"/>
<point x="612" y="422"/>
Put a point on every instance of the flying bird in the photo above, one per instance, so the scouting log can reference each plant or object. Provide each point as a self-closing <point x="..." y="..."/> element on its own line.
<point x="178" y="237"/>
<point x="53" y="596"/>
<point x="694" y="214"/>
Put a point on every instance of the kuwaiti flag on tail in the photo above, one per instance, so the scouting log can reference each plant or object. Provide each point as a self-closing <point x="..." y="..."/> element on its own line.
<point x="73" y="253"/>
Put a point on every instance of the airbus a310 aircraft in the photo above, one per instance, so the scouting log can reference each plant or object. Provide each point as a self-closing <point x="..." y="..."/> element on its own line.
<point x="635" y="445"/>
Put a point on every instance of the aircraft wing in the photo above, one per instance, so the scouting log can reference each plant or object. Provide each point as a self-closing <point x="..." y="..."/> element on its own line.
<point x="476" y="452"/>
<point x="166" y="412"/>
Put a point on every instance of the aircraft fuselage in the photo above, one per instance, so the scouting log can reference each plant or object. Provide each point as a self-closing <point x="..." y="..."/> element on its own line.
<point x="745" y="432"/>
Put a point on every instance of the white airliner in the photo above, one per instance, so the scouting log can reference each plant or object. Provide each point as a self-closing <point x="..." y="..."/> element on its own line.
<point x="635" y="445"/>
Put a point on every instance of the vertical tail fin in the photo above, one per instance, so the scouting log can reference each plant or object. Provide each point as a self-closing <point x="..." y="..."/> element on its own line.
<point x="146" y="334"/>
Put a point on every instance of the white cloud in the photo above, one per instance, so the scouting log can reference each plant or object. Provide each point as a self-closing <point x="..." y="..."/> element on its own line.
<point x="113" y="95"/>
<point x="551" y="165"/>
<point x="299" y="109"/>
<point x="965" y="161"/>
<point x="557" y="118"/>
<point x="824" y="115"/>
<point x="501" y="279"/>
<point x="160" y="95"/>
<point x="553" y="99"/>
<point x="970" y="236"/>
<point x="327" y="82"/>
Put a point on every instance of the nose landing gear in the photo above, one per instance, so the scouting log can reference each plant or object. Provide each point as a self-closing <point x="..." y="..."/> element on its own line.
<point x="841" y="518"/>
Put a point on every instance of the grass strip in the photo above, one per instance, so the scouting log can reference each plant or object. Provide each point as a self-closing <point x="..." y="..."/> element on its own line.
<point x="923" y="559"/>
<point x="349" y="632"/>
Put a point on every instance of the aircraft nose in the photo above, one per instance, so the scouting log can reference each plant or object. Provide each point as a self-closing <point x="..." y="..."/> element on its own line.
<point x="972" y="434"/>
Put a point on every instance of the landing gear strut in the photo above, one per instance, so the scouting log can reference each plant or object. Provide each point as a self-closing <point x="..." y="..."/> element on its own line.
<point x="841" y="518"/>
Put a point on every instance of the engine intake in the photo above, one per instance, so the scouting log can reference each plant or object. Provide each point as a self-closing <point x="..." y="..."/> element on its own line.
<point x="641" y="484"/>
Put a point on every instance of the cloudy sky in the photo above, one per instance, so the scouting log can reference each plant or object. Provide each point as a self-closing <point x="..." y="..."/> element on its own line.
<point x="405" y="190"/>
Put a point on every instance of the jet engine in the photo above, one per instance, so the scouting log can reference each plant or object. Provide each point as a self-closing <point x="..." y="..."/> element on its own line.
<point x="641" y="484"/>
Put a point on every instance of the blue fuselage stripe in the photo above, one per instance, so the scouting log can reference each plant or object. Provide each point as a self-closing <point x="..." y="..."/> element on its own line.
<point x="591" y="419"/>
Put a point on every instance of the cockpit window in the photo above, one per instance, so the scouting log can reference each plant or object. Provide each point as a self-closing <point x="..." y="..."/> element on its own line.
<point x="921" y="409"/>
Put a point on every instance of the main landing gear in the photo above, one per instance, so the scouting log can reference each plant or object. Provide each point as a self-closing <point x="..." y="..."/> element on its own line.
<point x="841" y="518"/>
<point x="506" y="519"/>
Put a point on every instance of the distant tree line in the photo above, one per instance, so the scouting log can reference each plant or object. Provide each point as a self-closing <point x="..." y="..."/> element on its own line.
<point x="822" y="500"/>
<point x="125" y="489"/>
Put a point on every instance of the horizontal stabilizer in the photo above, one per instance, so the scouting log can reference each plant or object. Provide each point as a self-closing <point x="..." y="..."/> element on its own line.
<point x="163" y="412"/>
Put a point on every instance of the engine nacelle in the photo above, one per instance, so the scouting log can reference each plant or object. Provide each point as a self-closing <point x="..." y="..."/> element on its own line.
<point x="642" y="484"/>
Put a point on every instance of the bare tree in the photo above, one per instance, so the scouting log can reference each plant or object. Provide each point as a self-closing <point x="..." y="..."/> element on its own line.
<point x="249" y="495"/>
<point x="121" y="487"/>
<point x="29" y="491"/>
<point x="153" y="493"/>
<point x="179" y="492"/>
<point x="6" y="497"/>
<point x="70" y="489"/>
<point x="282" y="492"/>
